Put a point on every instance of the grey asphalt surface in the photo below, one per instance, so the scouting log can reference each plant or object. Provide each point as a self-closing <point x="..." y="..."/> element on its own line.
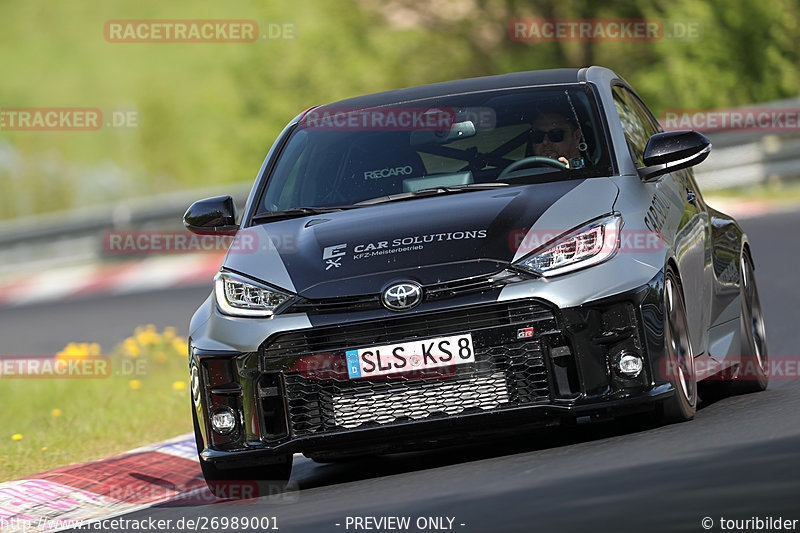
<point x="739" y="458"/>
<point x="44" y="329"/>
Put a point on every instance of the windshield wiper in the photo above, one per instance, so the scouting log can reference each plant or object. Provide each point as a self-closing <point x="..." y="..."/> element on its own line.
<point x="297" y="212"/>
<point x="432" y="191"/>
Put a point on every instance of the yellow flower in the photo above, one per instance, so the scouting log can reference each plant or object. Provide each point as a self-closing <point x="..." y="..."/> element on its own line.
<point x="131" y="347"/>
<point x="16" y="436"/>
<point x="170" y="333"/>
<point x="74" y="350"/>
<point x="148" y="336"/>
<point x="148" y="339"/>
<point x="44" y="448"/>
<point x="180" y="346"/>
<point x="56" y="412"/>
<point x="70" y="350"/>
<point x="135" y="384"/>
<point x="179" y="385"/>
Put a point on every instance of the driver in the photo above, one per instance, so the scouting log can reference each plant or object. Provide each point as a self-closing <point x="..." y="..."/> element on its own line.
<point x="553" y="135"/>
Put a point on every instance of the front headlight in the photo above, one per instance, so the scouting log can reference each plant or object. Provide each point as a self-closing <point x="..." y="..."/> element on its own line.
<point x="588" y="245"/>
<point x="238" y="296"/>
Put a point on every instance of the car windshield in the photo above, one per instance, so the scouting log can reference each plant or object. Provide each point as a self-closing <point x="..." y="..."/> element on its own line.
<point x="344" y="156"/>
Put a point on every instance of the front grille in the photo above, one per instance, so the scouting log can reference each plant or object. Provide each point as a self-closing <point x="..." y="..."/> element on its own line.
<point x="437" y="291"/>
<point x="411" y="326"/>
<point x="507" y="371"/>
<point x="348" y="304"/>
<point x="352" y="409"/>
<point x="507" y="375"/>
<point x="461" y="287"/>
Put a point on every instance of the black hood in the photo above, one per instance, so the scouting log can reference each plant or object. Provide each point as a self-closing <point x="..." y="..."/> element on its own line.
<point x="428" y="240"/>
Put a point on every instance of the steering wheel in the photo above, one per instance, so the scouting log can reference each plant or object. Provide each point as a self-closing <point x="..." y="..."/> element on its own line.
<point x="531" y="161"/>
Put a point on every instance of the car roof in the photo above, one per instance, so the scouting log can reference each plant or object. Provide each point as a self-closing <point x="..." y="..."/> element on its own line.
<point x="487" y="83"/>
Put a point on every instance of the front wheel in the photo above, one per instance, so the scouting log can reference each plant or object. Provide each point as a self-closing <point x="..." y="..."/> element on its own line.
<point x="678" y="355"/>
<point x="233" y="482"/>
<point x="753" y="375"/>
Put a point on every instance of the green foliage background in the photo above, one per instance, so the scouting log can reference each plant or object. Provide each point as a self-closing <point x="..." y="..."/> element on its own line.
<point x="209" y="112"/>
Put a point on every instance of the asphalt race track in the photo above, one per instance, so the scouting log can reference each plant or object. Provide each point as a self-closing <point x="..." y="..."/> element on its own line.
<point x="44" y="329"/>
<point x="739" y="459"/>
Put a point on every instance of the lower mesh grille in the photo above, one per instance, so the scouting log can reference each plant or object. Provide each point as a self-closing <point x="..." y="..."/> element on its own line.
<point x="509" y="368"/>
<point x="353" y="409"/>
<point x="506" y="375"/>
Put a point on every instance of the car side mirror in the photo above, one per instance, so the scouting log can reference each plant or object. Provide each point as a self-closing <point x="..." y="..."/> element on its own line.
<point x="673" y="150"/>
<point x="212" y="216"/>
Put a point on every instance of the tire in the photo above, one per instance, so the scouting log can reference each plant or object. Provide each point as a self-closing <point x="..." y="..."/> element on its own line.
<point x="267" y="478"/>
<point x="753" y="375"/>
<point x="679" y="356"/>
<point x="715" y="388"/>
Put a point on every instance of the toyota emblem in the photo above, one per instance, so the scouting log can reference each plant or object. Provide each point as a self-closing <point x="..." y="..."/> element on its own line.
<point x="402" y="296"/>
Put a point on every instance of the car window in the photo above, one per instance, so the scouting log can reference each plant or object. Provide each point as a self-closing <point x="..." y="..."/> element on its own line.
<point x="345" y="156"/>
<point x="637" y="123"/>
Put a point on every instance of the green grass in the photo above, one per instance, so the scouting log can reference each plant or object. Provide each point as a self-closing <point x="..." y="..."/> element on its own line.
<point x="208" y="112"/>
<point x="98" y="416"/>
<point x="781" y="192"/>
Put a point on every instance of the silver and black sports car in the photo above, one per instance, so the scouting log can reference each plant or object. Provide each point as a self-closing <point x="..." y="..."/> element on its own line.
<point x="466" y="259"/>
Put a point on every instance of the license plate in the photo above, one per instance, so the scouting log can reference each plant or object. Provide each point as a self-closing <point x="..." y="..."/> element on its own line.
<point x="410" y="356"/>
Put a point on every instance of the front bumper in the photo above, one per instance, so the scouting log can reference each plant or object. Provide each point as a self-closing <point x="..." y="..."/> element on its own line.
<point x="416" y="435"/>
<point x="293" y="395"/>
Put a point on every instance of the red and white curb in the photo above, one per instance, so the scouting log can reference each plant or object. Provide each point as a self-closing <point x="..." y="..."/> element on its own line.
<point x="70" y="495"/>
<point x="81" y="494"/>
<point x="86" y="280"/>
<point x="746" y="208"/>
<point x="75" y="494"/>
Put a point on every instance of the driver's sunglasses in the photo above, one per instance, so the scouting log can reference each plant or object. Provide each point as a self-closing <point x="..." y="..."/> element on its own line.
<point x="555" y="135"/>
